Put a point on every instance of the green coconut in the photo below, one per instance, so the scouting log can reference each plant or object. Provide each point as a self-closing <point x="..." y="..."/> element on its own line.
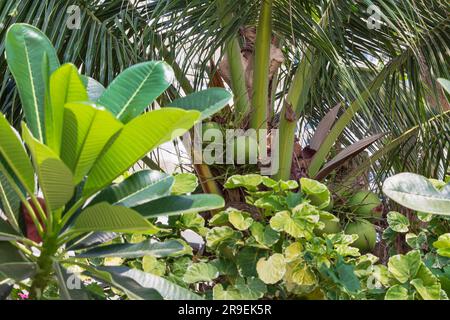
<point x="366" y="204"/>
<point x="367" y="235"/>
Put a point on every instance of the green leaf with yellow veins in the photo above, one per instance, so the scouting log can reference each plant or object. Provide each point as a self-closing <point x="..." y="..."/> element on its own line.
<point x="381" y="274"/>
<point x="346" y="251"/>
<point x="192" y="220"/>
<point x="416" y="241"/>
<point x="405" y="267"/>
<point x="396" y="292"/>
<point x="425" y="217"/>
<point x="293" y="251"/>
<point x="249" y="181"/>
<point x="282" y="221"/>
<point x="246" y="261"/>
<point x="219" y="219"/>
<point x="268" y="182"/>
<point x="264" y="235"/>
<point x="152" y="265"/>
<point x="200" y="272"/>
<point x="252" y="289"/>
<point x="426" y="276"/>
<point x="239" y="219"/>
<point x="443" y="245"/>
<point x="272" y="270"/>
<point x="299" y="274"/>
<point x="184" y="183"/>
<point x="342" y="238"/>
<point x="270" y="202"/>
<point x="317" y="192"/>
<point x="398" y="222"/>
<point x="306" y="212"/>
<point x="288" y="185"/>
<point x="219" y="293"/>
<point x="432" y="292"/>
<point x="217" y="235"/>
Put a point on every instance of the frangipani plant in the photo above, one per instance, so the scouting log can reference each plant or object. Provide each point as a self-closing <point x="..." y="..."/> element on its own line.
<point x="81" y="138"/>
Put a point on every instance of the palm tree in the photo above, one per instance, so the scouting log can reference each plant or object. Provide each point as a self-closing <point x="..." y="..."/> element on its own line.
<point x="379" y="59"/>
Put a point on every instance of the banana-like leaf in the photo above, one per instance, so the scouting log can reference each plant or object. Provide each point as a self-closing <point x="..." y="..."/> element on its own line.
<point x="416" y="192"/>
<point x="137" y="138"/>
<point x="175" y="205"/>
<point x="87" y="129"/>
<point x="208" y="102"/>
<point x="132" y="91"/>
<point x="13" y="153"/>
<point x="141" y="187"/>
<point x="65" y="86"/>
<point x="137" y="284"/>
<point x="13" y="265"/>
<point x="347" y="153"/>
<point x="106" y="217"/>
<point x="70" y="285"/>
<point x="55" y="178"/>
<point x="94" y="88"/>
<point x="135" y="250"/>
<point x="26" y="48"/>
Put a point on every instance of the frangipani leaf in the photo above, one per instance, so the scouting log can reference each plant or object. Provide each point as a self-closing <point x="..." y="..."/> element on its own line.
<point x="10" y="202"/>
<point x="70" y="285"/>
<point x="55" y="178"/>
<point x="174" y="205"/>
<point x="208" y="102"/>
<point x="132" y="91"/>
<point x="13" y="153"/>
<point x="13" y="265"/>
<point x="137" y="138"/>
<point x="417" y="193"/>
<point x="137" y="284"/>
<point x="135" y="250"/>
<point x="65" y="86"/>
<point x="87" y="129"/>
<point x="141" y="187"/>
<point x="106" y="217"/>
<point x="7" y="233"/>
<point x="26" y="48"/>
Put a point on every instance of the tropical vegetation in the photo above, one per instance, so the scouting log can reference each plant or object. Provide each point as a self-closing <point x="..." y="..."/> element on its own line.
<point x="102" y="104"/>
